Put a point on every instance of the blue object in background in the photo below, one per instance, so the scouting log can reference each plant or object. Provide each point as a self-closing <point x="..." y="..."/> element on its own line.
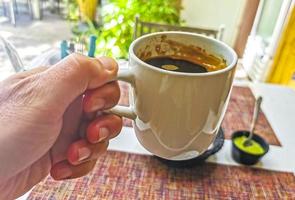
<point x="72" y="47"/>
<point x="63" y="49"/>
<point x="92" y="45"/>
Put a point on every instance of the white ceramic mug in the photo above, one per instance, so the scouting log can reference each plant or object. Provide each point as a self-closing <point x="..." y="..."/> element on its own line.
<point x="176" y="115"/>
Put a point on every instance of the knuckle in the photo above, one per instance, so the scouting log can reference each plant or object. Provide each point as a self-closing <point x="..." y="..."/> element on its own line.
<point x="114" y="91"/>
<point x="109" y="64"/>
<point x="115" y="65"/>
<point x="79" y="61"/>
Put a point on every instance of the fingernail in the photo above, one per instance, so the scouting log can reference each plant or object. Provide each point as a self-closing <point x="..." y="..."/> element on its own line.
<point x="103" y="134"/>
<point x="97" y="104"/>
<point x="64" y="172"/>
<point x="108" y="63"/>
<point x="83" y="153"/>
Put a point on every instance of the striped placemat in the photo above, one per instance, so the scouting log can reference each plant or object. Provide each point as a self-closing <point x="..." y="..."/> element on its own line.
<point x="119" y="175"/>
<point x="237" y="117"/>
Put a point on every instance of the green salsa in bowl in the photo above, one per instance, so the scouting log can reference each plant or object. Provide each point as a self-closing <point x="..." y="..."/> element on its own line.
<point x="255" y="148"/>
<point x="251" y="154"/>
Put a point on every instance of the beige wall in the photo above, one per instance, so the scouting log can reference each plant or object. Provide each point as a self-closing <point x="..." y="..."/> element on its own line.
<point x="213" y="13"/>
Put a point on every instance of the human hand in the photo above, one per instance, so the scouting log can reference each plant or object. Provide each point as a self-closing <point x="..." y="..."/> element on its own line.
<point x="48" y="121"/>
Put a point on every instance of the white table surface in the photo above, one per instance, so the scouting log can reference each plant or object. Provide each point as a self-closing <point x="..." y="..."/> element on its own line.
<point x="279" y="108"/>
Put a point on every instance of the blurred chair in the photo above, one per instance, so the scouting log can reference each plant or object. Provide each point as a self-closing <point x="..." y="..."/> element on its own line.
<point x="10" y="9"/>
<point x="142" y="28"/>
<point x="53" y="5"/>
<point x="12" y="54"/>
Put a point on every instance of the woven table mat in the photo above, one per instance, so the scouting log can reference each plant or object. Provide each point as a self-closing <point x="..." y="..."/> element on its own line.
<point x="119" y="175"/>
<point x="237" y="117"/>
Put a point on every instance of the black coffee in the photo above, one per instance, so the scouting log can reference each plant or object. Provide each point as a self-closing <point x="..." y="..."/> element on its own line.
<point x="175" y="64"/>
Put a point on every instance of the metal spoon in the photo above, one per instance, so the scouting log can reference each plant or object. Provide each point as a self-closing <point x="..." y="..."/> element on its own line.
<point x="248" y="142"/>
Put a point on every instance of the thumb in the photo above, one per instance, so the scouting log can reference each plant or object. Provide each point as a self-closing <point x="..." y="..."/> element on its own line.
<point x="72" y="76"/>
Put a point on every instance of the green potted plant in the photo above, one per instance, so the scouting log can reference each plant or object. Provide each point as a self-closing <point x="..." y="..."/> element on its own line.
<point x="118" y="16"/>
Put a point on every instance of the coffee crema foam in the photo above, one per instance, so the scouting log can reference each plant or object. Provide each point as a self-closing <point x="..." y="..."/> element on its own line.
<point x="178" y="51"/>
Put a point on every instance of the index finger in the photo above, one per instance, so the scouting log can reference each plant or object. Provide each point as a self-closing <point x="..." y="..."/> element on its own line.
<point x="74" y="75"/>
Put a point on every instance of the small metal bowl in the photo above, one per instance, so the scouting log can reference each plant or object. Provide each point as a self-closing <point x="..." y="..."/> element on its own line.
<point x="243" y="157"/>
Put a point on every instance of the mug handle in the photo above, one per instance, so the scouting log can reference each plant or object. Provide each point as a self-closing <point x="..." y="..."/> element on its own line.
<point x="124" y="111"/>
